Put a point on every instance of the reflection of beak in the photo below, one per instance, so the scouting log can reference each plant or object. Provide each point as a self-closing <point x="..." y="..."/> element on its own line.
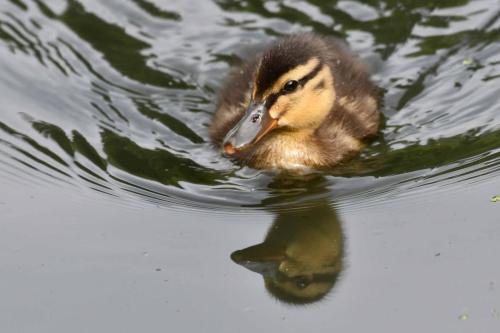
<point x="250" y="129"/>
<point x="260" y="258"/>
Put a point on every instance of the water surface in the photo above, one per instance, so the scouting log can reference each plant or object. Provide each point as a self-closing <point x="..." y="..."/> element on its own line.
<point x="107" y="105"/>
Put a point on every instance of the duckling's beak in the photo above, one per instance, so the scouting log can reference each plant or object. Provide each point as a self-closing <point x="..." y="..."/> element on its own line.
<point x="250" y="129"/>
<point x="261" y="258"/>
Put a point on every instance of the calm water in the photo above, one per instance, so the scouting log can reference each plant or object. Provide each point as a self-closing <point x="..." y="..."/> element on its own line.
<point x="114" y="203"/>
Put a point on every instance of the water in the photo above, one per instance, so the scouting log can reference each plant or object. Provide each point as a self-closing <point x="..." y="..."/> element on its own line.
<point x="104" y="110"/>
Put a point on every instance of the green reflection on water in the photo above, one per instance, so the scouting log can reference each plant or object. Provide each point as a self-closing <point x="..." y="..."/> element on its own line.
<point x="389" y="31"/>
<point x="153" y="10"/>
<point x="392" y="25"/>
<point x="120" y="49"/>
<point x="153" y="111"/>
<point x="159" y="165"/>
<point x="433" y="154"/>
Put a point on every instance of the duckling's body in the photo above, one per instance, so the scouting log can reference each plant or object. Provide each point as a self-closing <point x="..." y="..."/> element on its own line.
<point x="304" y="103"/>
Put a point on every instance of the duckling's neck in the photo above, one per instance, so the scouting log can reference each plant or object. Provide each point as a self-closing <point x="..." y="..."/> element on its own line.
<point x="303" y="150"/>
<point x="288" y="149"/>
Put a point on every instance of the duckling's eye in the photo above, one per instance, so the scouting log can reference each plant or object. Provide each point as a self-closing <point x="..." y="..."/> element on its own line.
<point x="291" y="85"/>
<point x="301" y="282"/>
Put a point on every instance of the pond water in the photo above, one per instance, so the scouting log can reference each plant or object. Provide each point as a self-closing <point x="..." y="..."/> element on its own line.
<point x="117" y="214"/>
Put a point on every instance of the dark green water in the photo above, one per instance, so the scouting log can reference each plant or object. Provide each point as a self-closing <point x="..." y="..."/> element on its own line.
<point x="107" y="174"/>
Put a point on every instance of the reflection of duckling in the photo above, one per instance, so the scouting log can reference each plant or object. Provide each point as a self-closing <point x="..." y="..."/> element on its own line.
<point x="304" y="103"/>
<point x="301" y="257"/>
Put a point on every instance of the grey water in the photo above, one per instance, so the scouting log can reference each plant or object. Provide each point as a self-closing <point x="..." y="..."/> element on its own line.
<point x="117" y="214"/>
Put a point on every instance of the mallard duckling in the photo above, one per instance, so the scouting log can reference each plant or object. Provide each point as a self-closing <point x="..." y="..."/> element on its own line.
<point x="306" y="102"/>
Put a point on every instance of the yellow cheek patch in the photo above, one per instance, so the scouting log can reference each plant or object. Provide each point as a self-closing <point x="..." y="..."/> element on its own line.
<point x="279" y="107"/>
<point x="307" y="108"/>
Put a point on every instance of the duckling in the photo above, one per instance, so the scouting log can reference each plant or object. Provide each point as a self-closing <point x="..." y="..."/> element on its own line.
<point x="304" y="103"/>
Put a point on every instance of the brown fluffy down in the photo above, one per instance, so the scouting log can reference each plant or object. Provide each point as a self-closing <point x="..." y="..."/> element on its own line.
<point x="326" y="122"/>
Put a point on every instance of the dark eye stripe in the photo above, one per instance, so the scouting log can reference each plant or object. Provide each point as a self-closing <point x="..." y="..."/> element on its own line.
<point x="320" y="85"/>
<point x="273" y="97"/>
<point x="311" y="74"/>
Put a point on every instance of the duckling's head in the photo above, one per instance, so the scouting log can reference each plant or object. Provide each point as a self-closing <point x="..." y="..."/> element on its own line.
<point x="292" y="89"/>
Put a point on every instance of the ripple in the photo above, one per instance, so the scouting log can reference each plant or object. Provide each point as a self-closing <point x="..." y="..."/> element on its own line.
<point x="117" y="99"/>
